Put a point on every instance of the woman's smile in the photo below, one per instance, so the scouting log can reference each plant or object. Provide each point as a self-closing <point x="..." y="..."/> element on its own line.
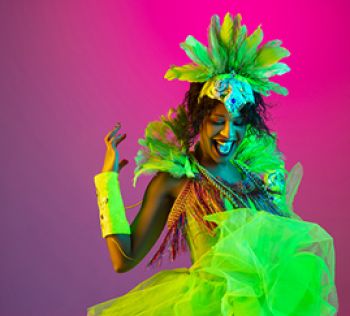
<point x="220" y="135"/>
<point x="223" y="147"/>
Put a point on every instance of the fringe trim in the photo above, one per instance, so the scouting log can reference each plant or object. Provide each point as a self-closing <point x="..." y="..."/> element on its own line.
<point x="175" y="241"/>
<point x="196" y="199"/>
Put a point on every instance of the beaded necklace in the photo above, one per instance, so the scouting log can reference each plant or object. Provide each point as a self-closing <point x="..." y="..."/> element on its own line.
<point x="225" y="190"/>
<point x="199" y="203"/>
<point x="257" y="181"/>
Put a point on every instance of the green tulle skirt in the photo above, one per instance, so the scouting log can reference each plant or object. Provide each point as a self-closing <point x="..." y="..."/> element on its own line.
<point x="261" y="264"/>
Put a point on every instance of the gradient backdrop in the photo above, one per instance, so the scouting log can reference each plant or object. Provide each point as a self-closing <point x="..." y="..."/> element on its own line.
<point x="71" y="69"/>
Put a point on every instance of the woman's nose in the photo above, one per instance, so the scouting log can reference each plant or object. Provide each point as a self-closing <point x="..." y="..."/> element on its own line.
<point x="229" y="130"/>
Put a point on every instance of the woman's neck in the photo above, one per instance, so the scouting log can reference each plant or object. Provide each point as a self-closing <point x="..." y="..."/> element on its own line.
<point x="226" y="170"/>
<point x="209" y="164"/>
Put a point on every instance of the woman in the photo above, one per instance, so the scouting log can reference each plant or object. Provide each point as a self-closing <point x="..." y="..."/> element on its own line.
<point x="224" y="196"/>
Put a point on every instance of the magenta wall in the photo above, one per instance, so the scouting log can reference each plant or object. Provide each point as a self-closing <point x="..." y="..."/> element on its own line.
<point x="71" y="69"/>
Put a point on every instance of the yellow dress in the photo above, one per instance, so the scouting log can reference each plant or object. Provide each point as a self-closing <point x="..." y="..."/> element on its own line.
<point x="256" y="264"/>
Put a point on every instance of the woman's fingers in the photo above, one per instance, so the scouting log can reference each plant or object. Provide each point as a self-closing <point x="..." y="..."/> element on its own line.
<point x="116" y="140"/>
<point x="112" y="140"/>
<point x="122" y="164"/>
<point x="110" y="137"/>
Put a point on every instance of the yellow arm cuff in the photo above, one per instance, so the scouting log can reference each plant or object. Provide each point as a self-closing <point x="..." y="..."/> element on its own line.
<point x="109" y="199"/>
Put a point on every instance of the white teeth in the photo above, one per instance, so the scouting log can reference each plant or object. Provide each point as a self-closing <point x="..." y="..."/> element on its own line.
<point x="223" y="147"/>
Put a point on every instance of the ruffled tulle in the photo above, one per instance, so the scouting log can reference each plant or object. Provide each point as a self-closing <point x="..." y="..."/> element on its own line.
<point x="260" y="264"/>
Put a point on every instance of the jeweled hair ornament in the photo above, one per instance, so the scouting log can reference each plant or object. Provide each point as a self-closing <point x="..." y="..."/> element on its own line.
<point x="233" y="65"/>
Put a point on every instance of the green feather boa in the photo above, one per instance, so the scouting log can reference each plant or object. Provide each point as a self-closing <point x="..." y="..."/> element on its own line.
<point x="163" y="151"/>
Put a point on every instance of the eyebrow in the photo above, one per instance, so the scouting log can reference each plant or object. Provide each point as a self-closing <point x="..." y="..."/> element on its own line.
<point x="223" y="115"/>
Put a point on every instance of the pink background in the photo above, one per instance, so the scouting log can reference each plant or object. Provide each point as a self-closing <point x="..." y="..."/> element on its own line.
<point x="71" y="69"/>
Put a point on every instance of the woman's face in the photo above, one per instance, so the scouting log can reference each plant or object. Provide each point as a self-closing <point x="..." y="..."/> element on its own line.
<point x="220" y="135"/>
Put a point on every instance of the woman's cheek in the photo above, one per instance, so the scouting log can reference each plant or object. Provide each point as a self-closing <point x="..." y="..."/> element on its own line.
<point x="242" y="131"/>
<point x="212" y="130"/>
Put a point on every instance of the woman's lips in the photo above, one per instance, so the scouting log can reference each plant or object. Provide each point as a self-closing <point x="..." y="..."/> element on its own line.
<point x="223" y="147"/>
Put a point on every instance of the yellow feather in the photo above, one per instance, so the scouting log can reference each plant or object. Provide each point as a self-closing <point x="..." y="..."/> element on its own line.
<point x="188" y="72"/>
<point x="268" y="55"/>
<point x="226" y="31"/>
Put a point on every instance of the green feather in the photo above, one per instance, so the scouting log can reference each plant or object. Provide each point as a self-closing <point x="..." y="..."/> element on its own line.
<point x="278" y="88"/>
<point x="162" y="150"/>
<point x="217" y="52"/>
<point x="292" y="184"/>
<point x="241" y="37"/>
<point x="273" y="43"/>
<point x="230" y="50"/>
<point x="270" y="71"/>
<point x="259" y="85"/>
<point x="259" y="153"/>
<point x="163" y="153"/>
<point x="236" y="27"/>
<point x="265" y="87"/>
<point x="189" y="72"/>
<point x="247" y="52"/>
<point x="268" y="55"/>
<point x="197" y="52"/>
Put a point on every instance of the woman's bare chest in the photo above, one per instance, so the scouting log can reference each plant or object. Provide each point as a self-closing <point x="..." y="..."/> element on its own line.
<point x="230" y="174"/>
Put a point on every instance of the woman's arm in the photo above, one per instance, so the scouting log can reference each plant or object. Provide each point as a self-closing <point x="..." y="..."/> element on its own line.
<point x="126" y="251"/>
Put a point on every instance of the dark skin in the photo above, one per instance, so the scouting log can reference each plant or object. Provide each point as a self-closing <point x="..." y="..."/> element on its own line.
<point x="148" y="224"/>
<point x="126" y="251"/>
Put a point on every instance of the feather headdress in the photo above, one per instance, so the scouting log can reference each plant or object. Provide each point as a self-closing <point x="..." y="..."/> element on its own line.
<point x="231" y="51"/>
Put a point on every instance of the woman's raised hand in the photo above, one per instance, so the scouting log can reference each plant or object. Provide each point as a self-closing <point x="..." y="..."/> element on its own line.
<point x="112" y="140"/>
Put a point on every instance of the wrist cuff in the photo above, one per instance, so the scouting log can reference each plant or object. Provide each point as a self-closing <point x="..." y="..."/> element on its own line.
<point x="112" y="211"/>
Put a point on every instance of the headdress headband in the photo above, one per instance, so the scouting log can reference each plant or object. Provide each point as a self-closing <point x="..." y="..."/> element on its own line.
<point x="233" y="66"/>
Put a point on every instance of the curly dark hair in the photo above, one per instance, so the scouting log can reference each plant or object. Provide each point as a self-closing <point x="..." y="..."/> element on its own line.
<point x="254" y="114"/>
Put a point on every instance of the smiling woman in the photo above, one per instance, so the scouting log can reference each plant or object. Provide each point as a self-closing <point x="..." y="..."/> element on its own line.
<point x="252" y="114"/>
<point x="222" y="189"/>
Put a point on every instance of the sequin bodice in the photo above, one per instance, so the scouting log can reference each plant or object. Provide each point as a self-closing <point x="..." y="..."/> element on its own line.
<point x="198" y="240"/>
<point x="205" y="195"/>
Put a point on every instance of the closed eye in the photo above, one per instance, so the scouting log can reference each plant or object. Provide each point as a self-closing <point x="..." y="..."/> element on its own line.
<point x="239" y="122"/>
<point x="236" y="123"/>
<point x="218" y="122"/>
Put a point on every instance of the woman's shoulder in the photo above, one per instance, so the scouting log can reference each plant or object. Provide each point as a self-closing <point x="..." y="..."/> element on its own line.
<point x="170" y="185"/>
